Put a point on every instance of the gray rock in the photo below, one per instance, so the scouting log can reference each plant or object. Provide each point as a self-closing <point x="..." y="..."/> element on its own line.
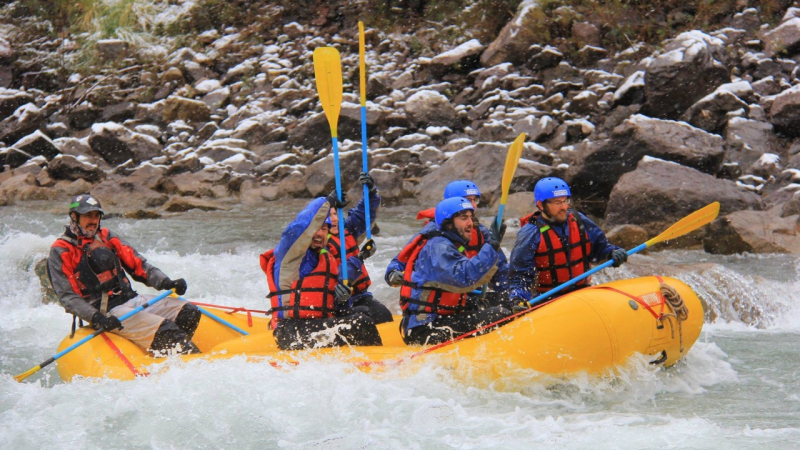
<point x="181" y="108"/>
<point x="627" y="236"/>
<point x="544" y="58"/>
<point x="514" y="40"/>
<point x="536" y="129"/>
<point x="410" y="140"/>
<point x="710" y="113"/>
<point x="68" y="167"/>
<point x="37" y="144"/>
<point x="659" y="193"/>
<point x="783" y="39"/>
<point x="319" y="176"/>
<point x="13" y="157"/>
<point x="11" y="99"/>
<point x="586" y="33"/>
<point x="25" y="120"/>
<point x="431" y="108"/>
<point x="74" y="147"/>
<point x="785" y="111"/>
<point x="112" y="49"/>
<point x="753" y="232"/>
<point x="462" y="58"/>
<point x="632" y="90"/>
<point x="692" y="56"/>
<point x="314" y="133"/>
<point x="117" y="144"/>
<point x="746" y="140"/>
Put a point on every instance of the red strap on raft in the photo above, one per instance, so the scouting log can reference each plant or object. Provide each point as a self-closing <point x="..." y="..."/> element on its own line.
<point x="638" y="300"/>
<point x="234" y="309"/>
<point x="121" y="356"/>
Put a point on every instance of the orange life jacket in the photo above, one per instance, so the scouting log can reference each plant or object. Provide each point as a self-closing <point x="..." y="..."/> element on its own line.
<point x="437" y="300"/>
<point x="310" y="297"/>
<point x="110" y="280"/>
<point x="363" y="282"/>
<point x="552" y="265"/>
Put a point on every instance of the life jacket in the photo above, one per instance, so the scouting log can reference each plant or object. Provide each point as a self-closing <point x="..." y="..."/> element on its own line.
<point x="99" y="275"/>
<point x="476" y="241"/>
<point x="432" y="299"/>
<point x="310" y="297"/>
<point x="362" y="284"/>
<point x="524" y="220"/>
<point x="552" y="266"/>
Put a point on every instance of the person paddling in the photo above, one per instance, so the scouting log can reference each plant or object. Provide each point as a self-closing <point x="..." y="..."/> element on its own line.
<point x="310" y="305"/>
<point x="355" y="226"/>
<point x="439" y="274"/>
<point x="87" y="267"/>
<point x="555" y="245"/>
<point x="478" y="236"/>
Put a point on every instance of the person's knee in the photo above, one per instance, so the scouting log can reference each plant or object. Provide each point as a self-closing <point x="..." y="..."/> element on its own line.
<point x="169" y="337"/>
<point x="188" y="319"/>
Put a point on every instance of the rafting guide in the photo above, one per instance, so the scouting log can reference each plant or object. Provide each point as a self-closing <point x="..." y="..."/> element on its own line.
<point x="87" y="267"/>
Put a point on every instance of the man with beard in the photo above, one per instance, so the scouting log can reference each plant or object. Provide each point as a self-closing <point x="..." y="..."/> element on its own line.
<point x="87" y="267"/>
<point x="438" y="275"/>
<point x="556" y="245"/>
<point x="309" y="301"/>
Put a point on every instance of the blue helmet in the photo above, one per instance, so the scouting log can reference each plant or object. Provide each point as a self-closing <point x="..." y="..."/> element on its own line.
<point x="461" y="188"/>
<point x="550" y="187"/>
<point x="449" y="207"/>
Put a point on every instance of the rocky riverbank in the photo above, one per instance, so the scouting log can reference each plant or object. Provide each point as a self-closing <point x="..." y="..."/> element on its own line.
<point x="644" y="135"/>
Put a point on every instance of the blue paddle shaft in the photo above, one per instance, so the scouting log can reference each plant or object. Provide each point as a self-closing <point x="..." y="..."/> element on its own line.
<point x="97" y="333"/>
<point x="500" y="215"/>
<point x="365" y="167"/>
<point x="218" y="319"/>
<point x="560" y="287"/>
<point x="342" y="244"/>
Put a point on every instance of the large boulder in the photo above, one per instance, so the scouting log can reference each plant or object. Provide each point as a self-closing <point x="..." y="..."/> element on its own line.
<point x="11" y="99"/>
<point x="37" y="144"/>
<point x="462" y="58"/>
<point x="25" y="120"/>
<point x="431" y="108"/>
<point x="319" y="176"/>
<point x="659" y="193"/>
<point x="785" y="112"/>
<point x="710" y="113"/>
<point x="604" y="162"/>
<point x="68" y="167"/>
<point x="314" y="133"/>
<point x="483" y="164"/>
<point x="747" y="140"/>
<point x="514" y="40"/>
<point x="753" y="232"/>
<point x="690" y="67"/>
<point x="117" y="144"/>
<point x="785" y="38"/>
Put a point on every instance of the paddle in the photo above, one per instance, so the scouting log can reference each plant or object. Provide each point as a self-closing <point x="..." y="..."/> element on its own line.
<point x="328" y="74"/>
<point x="362" y="69"/>
<point x="218" y="319"/>
<point x="689" y="223"/>
<point x="72" y="347"/>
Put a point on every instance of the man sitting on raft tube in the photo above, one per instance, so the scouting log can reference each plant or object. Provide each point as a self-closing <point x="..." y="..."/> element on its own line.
<point x="310" y="304"/>
<point x="478" y="236"/>
<point x="438" y="275"/>
<point x="556" y="245"/>
<point x="355" y="225"/>
<point x="87" y="266"/>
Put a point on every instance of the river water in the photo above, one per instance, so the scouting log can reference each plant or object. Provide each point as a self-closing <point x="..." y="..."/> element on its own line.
<point x="738" y="388"/>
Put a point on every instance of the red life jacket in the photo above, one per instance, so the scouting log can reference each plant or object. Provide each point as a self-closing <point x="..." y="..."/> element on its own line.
<point x="552" y="265"/>
<point x="475" y="242"/>
<point x="436" y="300"/>
<point x="524" y="220"/>
<point x="310" y="297"/>
<point x="363" y="282"/>
<point x="99" y="272"/>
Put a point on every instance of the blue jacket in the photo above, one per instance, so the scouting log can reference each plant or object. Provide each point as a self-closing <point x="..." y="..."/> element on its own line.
<point x="499" y="281"/>
<point x="522" y="268"/>
<point x="356" y="224"/>
<point x="440" y="261"/>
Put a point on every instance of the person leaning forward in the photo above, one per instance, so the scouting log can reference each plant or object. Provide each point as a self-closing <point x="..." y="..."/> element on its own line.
<point x="87" y="267"/>
<point x="438" y="275"/>
<point x="555" y="245"/>
<point x="309" y="301"/>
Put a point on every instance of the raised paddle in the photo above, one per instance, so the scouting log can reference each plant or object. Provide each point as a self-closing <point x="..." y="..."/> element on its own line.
<point x="328" y="74"/>
<point x="362" y="69"/>
<point x="512" y="161"/>
<point x="72" y="347"/>
<point x="693" y="221"/>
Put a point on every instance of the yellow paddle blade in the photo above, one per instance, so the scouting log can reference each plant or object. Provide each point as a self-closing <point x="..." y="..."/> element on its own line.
<point x="328" y="74"/>
<point x="24" y="375"/>
<point x="512" y="160"/>
<point x="362" y="67"/>
<point x="693" y="221"/>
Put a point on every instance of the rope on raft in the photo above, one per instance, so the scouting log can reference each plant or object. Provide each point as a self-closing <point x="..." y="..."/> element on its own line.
<point x="679" y="310"/>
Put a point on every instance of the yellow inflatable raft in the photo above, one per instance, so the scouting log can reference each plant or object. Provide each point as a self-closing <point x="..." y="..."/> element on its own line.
<point x="591" y="330"/>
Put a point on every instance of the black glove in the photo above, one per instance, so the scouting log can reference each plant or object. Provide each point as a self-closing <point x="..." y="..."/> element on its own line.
<point x="179" y="285"/>
<point x="499" y="232"/>
<point x="518" y="304"/>
<point x="367" y="250"/>
<point x="107" y="323"/>
<point x="333" y="200"/>
<point x="342" y="294"/>
<point x="395" y="278"/>
<point x="368" y="181"/>
<point x="493" y="241"/>
<point x="619" y="256"/>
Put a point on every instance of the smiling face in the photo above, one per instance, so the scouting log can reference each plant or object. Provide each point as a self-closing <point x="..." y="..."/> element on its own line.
<point x="556" y="209"/>
<point x="462" y="222"/>
<point x="320" y="238"/>
<point x="89" y="222"/>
